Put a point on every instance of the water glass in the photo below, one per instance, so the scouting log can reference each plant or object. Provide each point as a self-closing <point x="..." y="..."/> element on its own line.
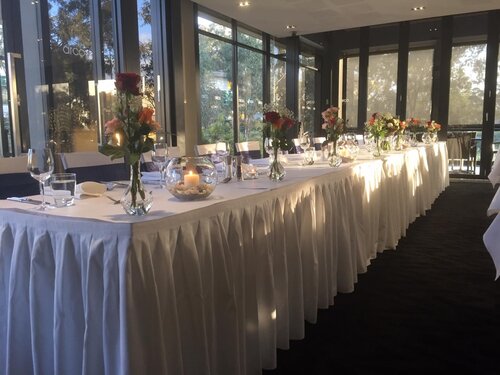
<point x="63" y="189"/>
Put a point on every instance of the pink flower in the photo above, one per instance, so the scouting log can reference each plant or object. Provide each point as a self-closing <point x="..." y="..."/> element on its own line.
<point x="324" y="126"/>
<point x="112" y="126"/>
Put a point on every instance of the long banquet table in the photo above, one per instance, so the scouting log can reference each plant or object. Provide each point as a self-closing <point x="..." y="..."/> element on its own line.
<point x="208" y="287"/>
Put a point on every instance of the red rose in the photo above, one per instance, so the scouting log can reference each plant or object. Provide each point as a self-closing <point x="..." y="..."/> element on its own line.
<point x="272" y="117"/>
<point x="128" y="83"/>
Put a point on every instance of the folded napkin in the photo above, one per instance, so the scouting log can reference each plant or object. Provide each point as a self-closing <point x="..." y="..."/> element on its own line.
<point x="260" y="162"/>
<point x="150" y="176"/>
<point x="90" y="188"/>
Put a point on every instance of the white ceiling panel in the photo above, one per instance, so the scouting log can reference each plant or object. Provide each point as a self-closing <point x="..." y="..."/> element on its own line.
<point x="312" y="16"/>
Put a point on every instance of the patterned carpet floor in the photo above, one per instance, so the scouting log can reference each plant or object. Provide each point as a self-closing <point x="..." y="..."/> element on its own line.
<point x="430" y="306"/>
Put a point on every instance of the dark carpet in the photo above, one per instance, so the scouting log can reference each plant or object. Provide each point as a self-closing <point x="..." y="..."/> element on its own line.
<point x="430" y="306"/>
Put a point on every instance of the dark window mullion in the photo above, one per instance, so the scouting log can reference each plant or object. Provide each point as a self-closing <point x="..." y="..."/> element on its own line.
<point x="236" y="120"/>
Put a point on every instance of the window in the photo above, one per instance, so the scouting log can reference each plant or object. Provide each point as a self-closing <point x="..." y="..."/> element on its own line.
<point x="73" y="118"/>
<point x="250" y="38"/>
<point x="352" y="91"/>
<point x="146" y="50"/>
<point x="216" y="89"/>
<point x="224" y="90"/>
<point x="278" y="81"/>
<point x="215" y="26"/>
<point x="306" y="91"/>
<point x="419" y="94"/>
<point x="107" y="39"/>
<point x="468" y="64"/>
<point x="278" y="73"/>
<point x="250" y="93"/>
<point x="5" y="129"/>
<point x="382" y="83"/>
<point x="497" y="109"/>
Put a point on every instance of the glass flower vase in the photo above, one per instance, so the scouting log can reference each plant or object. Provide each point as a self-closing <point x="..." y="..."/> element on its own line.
<point x="136" y="201"/>
<point x="334" y="160"/>
<point x="377" y="150"/>
<point x="276" y="170"/>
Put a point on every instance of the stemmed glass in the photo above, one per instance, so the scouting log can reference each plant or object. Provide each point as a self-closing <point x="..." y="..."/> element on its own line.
<point x="41" y="165"/>
<point x="304" y="141"/>
<point x="159" y="157"/>
<point x="305" y="144"/>
<point x="268" y="146"/>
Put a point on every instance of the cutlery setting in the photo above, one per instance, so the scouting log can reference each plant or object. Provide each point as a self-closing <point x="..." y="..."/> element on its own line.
<point x="25" y="200"/>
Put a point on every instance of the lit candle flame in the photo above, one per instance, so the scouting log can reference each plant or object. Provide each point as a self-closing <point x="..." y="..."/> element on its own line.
<point x="118" y="139"/>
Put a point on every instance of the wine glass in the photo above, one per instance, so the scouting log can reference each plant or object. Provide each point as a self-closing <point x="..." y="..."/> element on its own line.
<point x="304" y="141"/>
<point x="268" y="146"/>
<point x="41" y="165"/>
<point x="159" y="157"/>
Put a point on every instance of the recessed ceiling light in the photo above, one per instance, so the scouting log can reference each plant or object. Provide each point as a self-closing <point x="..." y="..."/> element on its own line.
<point x="290" y="27"/>
<point x="244" y="4"/>
<point x="418" y="8"/>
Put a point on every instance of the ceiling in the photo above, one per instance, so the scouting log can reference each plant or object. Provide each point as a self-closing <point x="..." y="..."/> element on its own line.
<point x="312" y="16"/>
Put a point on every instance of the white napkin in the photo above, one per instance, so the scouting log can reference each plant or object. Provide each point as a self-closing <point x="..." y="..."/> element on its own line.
<point x="150" y="176"/>
<point x="264" y="162"/>
<point x="90" y="188"/>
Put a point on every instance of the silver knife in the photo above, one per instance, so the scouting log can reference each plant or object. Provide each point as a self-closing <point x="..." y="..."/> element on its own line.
<point x="24" y="200"/>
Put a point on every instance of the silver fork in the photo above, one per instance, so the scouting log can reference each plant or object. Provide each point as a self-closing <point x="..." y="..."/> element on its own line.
<point x="115" y="201"/>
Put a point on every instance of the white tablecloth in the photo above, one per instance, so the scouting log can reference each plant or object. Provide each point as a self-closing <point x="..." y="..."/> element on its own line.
<point x="491" y="237"/>
<point x="494" y="175"/>
<point x="210" y="287"/>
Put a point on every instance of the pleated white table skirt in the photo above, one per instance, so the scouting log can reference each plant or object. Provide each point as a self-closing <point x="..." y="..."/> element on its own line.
<point x="211" y="287"/>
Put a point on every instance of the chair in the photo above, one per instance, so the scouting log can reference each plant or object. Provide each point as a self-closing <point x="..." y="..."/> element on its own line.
<point x="94" y="166"/>
<point x="318" y="142"/>
<point x="147" y="164"/>
<point x="250" y="149"/>
<point x="206" y="149"/>
<point x="15" y="179"/>
<point x="361" y="139"/>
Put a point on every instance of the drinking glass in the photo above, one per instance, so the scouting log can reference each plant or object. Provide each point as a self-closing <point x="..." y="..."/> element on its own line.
<point x="268" y="146"/>
<point x="304" y="141"/>
<point x="41" y="165"/>
<point x="159" y="157"/>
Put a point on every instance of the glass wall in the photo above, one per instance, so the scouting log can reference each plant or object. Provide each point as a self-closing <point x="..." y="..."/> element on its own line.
<point x="307" y="91"/>
<point x="224" y="91"/>
<point x="419" y="84"/>
<point x="250" y="93"/>
<point x="146" y="50"/>
<point x="352" y="91"/>
<point x="60" y="76"/>
<point x="278" y="73"/>
<point x="6" y="147"/>
<point x="278" y="81"/>
<point x="468" y="64"/>
<point x="382" y="83"/>
<point x="497" y="107"/>
<point x="216" y="89"/>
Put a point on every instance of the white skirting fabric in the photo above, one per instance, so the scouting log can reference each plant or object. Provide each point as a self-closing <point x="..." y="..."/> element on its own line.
<point x="494" y="175"/>
<point x="200" y="288"/>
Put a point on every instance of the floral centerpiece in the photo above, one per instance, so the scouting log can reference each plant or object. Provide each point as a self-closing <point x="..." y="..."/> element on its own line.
<point x="415" y="125"/>
<point x="333" y="125"/>
<point x="277" y="121"/>
<point x="128" y="135"/>
<point x="432" y="126"/>
<point x="382" y="125"/>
